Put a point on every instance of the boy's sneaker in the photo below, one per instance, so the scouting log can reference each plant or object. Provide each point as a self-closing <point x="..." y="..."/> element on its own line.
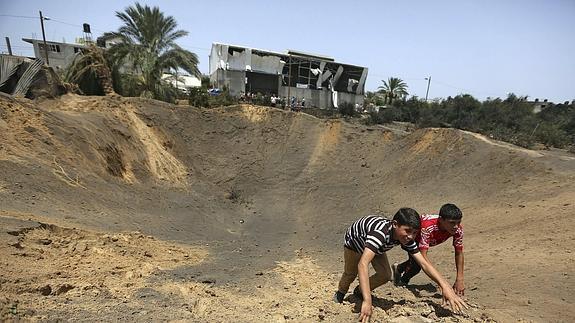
<point x="357" y="292"/>
<point x="338" y="297"/>
<point x="396" y="275"/>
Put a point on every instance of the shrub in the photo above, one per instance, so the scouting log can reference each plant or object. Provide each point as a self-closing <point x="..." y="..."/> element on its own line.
<point x="347" y="109"/>
<point x="198" y="97"/>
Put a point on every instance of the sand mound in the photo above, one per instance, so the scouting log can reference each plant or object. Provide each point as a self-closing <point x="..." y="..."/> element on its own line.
<point x="259" y="199"/>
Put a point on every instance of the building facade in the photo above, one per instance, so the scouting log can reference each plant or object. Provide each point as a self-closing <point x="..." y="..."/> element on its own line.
<point x="60" y="55"/>
<point x="321" y="81"/>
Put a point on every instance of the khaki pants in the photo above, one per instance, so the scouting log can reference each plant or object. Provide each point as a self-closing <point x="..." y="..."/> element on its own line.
<point x="351" y="259"/>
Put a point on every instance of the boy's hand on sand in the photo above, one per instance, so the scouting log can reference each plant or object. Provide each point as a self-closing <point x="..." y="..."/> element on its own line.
<point x="366" y="311"/>
<point x="459" y="288"/>
<point x="455" y="302"/>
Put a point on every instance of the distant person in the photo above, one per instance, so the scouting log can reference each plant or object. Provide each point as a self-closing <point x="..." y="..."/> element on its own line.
<point x="436" y="229"/>
<point x="293" y="103"/>
<point x="273" y="100"/>
<point x="303" y="103"/>
<point x="367" y="240"/>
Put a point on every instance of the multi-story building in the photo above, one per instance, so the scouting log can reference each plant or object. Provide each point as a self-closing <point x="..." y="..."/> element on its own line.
<point x="318" y="79"/>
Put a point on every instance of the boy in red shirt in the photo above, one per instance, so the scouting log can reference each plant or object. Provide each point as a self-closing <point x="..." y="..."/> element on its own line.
<point x="436" y="229"/>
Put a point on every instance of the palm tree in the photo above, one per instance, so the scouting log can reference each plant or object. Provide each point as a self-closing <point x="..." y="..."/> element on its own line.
<point x="394" y="88"/>
<point x="90" y="72"/>
<point x="147" y="49"/>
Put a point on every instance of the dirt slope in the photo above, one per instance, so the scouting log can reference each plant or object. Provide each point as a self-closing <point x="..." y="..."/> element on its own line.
<point x="151" y="211"/>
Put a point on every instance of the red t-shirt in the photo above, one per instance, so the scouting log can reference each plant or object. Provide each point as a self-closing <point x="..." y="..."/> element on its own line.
<point x="430" y="235"/>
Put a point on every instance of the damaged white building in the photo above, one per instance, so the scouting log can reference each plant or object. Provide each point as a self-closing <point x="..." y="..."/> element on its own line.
<point x="321" y="81"/>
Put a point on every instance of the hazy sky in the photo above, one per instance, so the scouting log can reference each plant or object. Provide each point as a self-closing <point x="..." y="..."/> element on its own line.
<point x="483" y="47"/>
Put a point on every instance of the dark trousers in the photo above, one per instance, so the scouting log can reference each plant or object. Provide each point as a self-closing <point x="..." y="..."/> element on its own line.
<point x="408" y="269"/>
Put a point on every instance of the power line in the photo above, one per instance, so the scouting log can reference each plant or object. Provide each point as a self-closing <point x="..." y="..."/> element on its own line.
<point x="74" y="25"/>
<point x="50" y="19"/>
<point x="14" y="16"/>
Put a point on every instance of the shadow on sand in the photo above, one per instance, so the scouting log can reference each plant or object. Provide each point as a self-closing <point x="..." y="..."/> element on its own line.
<point x="382" y="303"/>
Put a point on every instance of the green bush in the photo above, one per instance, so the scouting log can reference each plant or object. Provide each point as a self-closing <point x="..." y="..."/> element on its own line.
<point x="551" y="135"/>
<point x="198" y="97"/>
<point x="347" y="109"/>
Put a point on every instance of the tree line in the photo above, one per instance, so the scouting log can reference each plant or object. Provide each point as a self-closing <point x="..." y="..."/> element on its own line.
<point x="513" y="119"/>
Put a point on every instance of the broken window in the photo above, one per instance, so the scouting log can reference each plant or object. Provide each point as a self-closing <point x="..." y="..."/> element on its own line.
<point x="51" y="47"/>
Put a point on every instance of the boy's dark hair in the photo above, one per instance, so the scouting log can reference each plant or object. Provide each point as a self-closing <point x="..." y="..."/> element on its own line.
<point x="450" y="212"/>
<point x="409" y="217"/>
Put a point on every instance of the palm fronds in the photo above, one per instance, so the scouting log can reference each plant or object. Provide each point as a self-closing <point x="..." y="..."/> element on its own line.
<point x="147" y="49"/>
<point x="90" y="71"/>
<point x="393" y="88"/>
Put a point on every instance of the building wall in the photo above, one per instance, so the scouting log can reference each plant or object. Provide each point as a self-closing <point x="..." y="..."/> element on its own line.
<point x="322" y="99"/>
<point x="57" y="59"/>
<point x="235" y="81"/>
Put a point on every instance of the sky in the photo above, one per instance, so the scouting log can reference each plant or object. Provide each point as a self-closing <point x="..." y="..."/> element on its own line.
<point x="486" y="48"/>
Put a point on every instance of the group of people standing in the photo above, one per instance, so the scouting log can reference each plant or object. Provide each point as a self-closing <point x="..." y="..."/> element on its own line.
<point x="295" y="104"/>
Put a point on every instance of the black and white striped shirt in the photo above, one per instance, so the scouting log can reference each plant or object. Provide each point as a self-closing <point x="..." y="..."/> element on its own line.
<point x="375" y="233"/>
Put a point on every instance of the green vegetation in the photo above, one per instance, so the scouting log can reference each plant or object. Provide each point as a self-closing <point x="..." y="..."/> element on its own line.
<point x="90" y="72"/>
<point x="511" y="119"/>
<point x="146" y="49"/>
<point x="392" y="89"/>
<point x="199" y="96"/>
<point x="347" y="109"/>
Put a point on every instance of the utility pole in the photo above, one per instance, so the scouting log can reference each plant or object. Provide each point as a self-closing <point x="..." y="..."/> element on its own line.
<point x="44" y="37"/>
<point x="289" y="80"/>
<point x="8" y="45"/>
<point x="428" y="83"/>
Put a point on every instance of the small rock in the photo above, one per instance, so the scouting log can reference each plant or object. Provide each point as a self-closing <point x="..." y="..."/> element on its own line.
<point x="45" y="290"/>
<point x="63" y="289"/>
<point x="147" y="254"/>
<point x="45" y="241"/>
<point x="17" y="245"/>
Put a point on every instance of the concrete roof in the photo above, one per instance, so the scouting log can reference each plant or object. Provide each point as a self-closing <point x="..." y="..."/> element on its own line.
<point x="291" y="52"/>
<point x="32" y="41"/>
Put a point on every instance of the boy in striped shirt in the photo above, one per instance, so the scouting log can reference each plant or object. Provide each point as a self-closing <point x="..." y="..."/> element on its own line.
<point x="367" y="240"/>
<point x="436" y="229"/>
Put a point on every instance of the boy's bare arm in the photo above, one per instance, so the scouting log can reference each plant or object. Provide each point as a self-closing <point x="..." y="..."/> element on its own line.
<point x="424" y="254"/>
<point x="363" y="273"/>
<point x="456" y="303"/>
<point x="459" y="286"/>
